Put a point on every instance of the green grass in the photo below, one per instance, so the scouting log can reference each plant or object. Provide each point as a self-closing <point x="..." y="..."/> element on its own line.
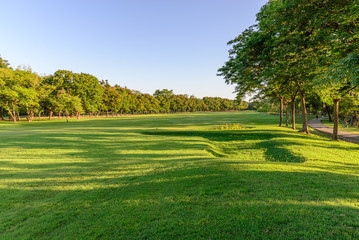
<point x="175" y="177"/>
<point x="349" y="128"/>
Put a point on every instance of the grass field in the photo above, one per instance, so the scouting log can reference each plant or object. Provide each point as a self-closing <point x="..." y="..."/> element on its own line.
<point x="177" y="176"/>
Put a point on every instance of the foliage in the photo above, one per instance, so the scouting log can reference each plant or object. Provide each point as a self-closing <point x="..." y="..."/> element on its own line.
<point x="19" y="90"/>
<point x="4" y="63"/>
<point x="23" y="92"/>
<point x="340" y="79"/>
<point x="294" y="46"/>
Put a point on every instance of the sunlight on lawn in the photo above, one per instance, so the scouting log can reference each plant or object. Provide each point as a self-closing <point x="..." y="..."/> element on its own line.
<point x="160" y="181"/>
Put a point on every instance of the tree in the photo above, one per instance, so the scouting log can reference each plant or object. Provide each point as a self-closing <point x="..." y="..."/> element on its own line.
<point x="4" y="63"/>
<point x="87" y="87"/>
<point x="286" y="24"/>
<point x="245" y="66"/>
<point x="163" y="92"/>
<point x="64" y="85"/>
<point x="28" y="90"/>
<point x="337" y="82"/>
<point x="292" y="41"/>
<point x="47" y="97"/>
<point x="9" y="92"/>
<point x="69" y="104"/>
<point x="349" y="109"/>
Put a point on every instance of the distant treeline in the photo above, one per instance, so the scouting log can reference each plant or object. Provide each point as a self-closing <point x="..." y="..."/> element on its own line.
<point x="64" y="93"/>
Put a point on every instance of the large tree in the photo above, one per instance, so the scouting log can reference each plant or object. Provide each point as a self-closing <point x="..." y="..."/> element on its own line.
<point x="87" y="87"/>
<point x="29" y="91"/>
<point x="246" y="62"/>
<point x="292" y="40"/>
<point x="9" y="94"/>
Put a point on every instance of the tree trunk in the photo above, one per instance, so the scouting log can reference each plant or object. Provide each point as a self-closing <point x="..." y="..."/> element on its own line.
<point x="29" y="116"/>
<point x="327" y="108"/>
<point x="345" y="121"/>
<point x="67" y="117"/>
<point x="281" y="112"/>
<point x="305" y="128"/>
<point x="13" y="115"/>
<point x="286" y="114"/>
<point x="78" y="115"/>
<point x="352" y="121"/>
<point x="50" y="116"/>
<point x="336" y="119"/>
<point x="293" y="114"/>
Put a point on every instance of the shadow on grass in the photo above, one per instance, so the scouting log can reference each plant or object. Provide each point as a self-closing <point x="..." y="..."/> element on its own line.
<point x="206" y="201"/>
<point x="272" y="142"/>
<point x="104" y="193"/>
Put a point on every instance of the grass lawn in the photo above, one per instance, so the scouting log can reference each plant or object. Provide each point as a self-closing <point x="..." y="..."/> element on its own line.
<point x="349" y="128"/>
<point x="176" y="176"/>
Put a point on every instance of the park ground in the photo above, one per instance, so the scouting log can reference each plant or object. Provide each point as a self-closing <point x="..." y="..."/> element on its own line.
<point x="175" y="176"/>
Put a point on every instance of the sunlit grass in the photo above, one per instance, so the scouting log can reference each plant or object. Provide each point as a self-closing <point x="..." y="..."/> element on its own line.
<point x="175" y="176"/>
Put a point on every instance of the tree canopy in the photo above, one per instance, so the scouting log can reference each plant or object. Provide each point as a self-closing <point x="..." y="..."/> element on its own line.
<point x="305" y="47"/>
<point x="65" y="93"/>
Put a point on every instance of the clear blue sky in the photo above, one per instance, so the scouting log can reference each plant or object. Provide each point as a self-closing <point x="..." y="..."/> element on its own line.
<point x="142" y="44"/>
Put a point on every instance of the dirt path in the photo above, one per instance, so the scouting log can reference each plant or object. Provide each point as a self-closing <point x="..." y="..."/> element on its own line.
<point x="317" y="124"/>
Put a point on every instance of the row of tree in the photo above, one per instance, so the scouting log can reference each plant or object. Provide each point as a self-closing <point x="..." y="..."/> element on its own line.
<point x="299" y="49"/>
<point x="348" y="111"/>
<point x="23" y="92"/>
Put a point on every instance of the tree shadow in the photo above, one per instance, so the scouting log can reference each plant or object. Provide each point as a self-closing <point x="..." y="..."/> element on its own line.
<point x="276" y="151"/>
<point x="208" y="201"/>
<point x="273" y="143"/>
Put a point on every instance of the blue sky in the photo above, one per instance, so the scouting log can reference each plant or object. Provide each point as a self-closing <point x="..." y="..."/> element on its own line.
<point x="141" y="44"/>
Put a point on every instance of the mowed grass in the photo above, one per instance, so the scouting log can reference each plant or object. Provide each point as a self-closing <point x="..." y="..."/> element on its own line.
<point x="175" y="177"/>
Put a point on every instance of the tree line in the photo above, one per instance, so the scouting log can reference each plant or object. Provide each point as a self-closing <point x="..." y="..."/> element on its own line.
<point x="348" y="111"/>
<point x="300" y="50"/>
<point x="64" y="93"/>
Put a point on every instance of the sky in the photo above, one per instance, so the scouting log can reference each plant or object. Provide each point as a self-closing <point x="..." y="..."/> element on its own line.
<point x="139" y="44"/>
